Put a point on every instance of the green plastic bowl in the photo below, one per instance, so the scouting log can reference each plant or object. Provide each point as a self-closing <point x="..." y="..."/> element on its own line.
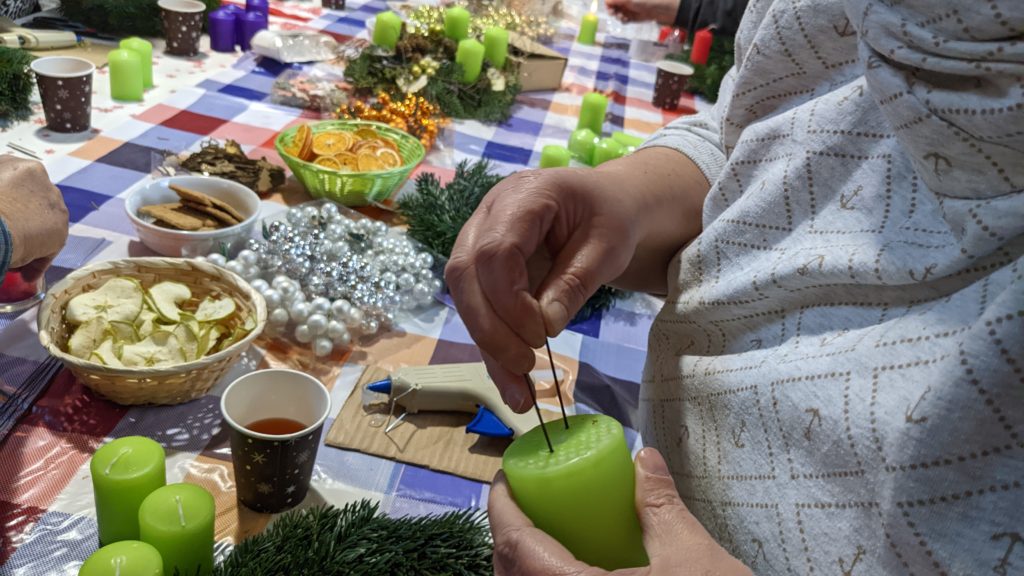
<point x="353" y="188"/>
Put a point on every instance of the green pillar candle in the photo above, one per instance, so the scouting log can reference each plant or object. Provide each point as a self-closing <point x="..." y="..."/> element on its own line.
<point x="145" y="51"/>
<point x="582" y="494"/>
<point x="125" y="558"/>
<point x="588" y="29"/>
<point x="177" y="520"/>
<point x="470" y="55"/>
<point x="125" y="70"/>
<point x="608" y="149"/>
<point x="496" y="46"/>
<point x="456" y="23"/>
<point x="124" y="472"/>
<point x="592" y="111"/>
<point x="582" y="143"/>
<point x="554" y="156"/>
<point x="629" y="141"/>
<point x="387" y="29"/>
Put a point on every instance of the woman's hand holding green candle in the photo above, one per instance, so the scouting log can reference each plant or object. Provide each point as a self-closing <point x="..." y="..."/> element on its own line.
<point x="675" y="540"/>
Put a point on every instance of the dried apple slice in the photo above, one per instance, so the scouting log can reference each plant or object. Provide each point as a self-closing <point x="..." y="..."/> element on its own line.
<point x="124" y="332"/>
<point x="208" y="339"/>
<point x="165" y="298"/>
<point x="161" y="348"/>
<point x="145" y="324"/>
<point x="106" y="354"/>
<point x="118" y="299"/>
<point x="211" y="310"/>
<point x="188" y="340"/>
<point x="87" y="338"/>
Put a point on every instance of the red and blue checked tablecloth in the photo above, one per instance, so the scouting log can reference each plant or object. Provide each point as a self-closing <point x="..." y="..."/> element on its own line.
<point x="47" y="523"/>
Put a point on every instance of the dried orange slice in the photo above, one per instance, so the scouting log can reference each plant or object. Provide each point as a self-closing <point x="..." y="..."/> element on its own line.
<point x="366" y="145"/>
<point x="369" y="162"/>
<point x="347" y="161"/>
<point x="303" y="143"/>
<point x="328" y="162"/>
<point x="367" y="134"/>
<point x="331" y="143"/>
<point x="389" y="158"/>
<point x="388" y="143"/>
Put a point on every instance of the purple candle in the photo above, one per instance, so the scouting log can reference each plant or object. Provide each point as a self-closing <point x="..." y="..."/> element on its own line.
<point x="252" y="22"/>
<point x="261" y="6"/>
<point x="238" y="12"/>
<point x="222" y="30"/>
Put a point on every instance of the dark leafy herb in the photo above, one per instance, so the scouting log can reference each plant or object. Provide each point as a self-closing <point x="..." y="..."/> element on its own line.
<point x="16" y="82"/>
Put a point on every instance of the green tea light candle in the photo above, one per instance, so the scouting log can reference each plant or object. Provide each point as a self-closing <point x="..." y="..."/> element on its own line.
<point x="582" y="143"/>
<point x="630" y="142"/>
<point x="592" y="111"/>
<point x="470" y="55"/>
<point x="177" y="520"/>
<point x="588" y="29"/>
<point x="125" y="558"/>
<point x="386" y="30"/>
<point x="608" y="149"/>
<point x="582" y="494"/>
<point x="496" y="46"/>
<point x="554" y="156"/>
<point x="124" y="472"/>
<point x="145" y="51"/>
<point x="125" y="70"/>
<point x="456" y="23"/>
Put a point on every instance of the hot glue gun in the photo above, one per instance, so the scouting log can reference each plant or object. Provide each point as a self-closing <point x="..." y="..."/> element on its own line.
<point x="455" y="388"/>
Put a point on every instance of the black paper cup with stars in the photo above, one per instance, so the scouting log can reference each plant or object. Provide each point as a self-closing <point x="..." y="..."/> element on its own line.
<point x="65" y="87"/>
<point x="183" y="25"/>
<point x="274" y="418"/>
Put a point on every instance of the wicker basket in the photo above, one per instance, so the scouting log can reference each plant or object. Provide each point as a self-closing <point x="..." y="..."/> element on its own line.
<point x="353" y="188"/>
<point x="165" y="385"/>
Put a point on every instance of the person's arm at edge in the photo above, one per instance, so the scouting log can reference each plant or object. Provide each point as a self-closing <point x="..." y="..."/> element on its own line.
<point x="6" y="249"/>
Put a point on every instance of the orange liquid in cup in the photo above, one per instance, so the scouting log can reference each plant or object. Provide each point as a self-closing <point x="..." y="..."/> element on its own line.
<point x="276" y="426"/>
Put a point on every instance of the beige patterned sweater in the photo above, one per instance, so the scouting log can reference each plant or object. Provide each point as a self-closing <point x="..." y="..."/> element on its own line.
<point x="836" y="379"/>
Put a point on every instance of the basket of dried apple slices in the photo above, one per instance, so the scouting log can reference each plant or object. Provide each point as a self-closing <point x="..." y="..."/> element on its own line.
<point x="150" y="330"/>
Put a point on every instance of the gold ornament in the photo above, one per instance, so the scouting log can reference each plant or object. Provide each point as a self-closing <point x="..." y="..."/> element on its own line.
<point x="414" y="114"/>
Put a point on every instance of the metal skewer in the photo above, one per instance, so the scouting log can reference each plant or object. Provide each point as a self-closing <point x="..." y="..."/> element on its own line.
<point x="533" y="396"/>
<point x="558" y="389"/>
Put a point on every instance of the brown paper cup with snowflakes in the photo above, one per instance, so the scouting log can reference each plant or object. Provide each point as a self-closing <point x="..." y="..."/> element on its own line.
<point x="65" y="87"/>
<point x="183" y="25"/>
<point x="273" y="469"/>
<point x="669" y="83"/>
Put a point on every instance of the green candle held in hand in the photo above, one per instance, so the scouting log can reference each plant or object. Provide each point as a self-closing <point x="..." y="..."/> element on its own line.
<point x="125" y="69"/>
<point x="608" y="149"/>
<point x="456" y="23"/>
<point x="125" y="558"/>
<point x="592" y="111"/>
<point x="145" y="51"/>
<point x="583" y="493"/>
<point x="386" y="30"/>
<point x="177" y="520"/>
<point x="582" y="143"/>
<point x="496" y="46"/>
<point x="124" y="472"/>
<point x="554" y="156"/>
<point x="470" y="55"/>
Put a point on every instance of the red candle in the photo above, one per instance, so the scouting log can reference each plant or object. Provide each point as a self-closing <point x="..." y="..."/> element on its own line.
<point x="701" y="46"/>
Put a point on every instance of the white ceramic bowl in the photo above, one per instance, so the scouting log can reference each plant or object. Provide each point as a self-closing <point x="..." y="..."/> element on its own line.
<point x="178" y="243"/>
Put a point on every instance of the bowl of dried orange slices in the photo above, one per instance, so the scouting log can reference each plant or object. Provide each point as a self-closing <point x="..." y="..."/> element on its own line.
<point x="352" y="162"/>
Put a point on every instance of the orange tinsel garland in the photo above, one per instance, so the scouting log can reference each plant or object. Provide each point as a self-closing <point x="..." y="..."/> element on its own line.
<point x="415" y="115"/>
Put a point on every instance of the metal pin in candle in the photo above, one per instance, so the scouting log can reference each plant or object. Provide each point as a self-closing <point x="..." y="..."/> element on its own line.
<point x="533" y="396"/>
<point x="558" y="388"/>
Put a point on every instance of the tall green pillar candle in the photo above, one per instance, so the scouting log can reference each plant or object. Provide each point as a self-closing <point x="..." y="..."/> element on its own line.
<point x="629" y="141"/>
<point x="582" y="494"/>
<point x="456" y="23"/>
<point x="496" y="46"/>
<point x="588" y="29"/>
<point x="386" y="30"/>
<point x="592" y="111"/>
<point x="145" y="51"/>
<point x="125" y="70"/>
<point x="470" y="55"/>
<point x="177" y="520"/>
<point x="608" y="149"/>
<point x="582" y="143"/>
<point x="554" y="156"/>
<point x="124" y="472"/>
<point x="125" y="558"/>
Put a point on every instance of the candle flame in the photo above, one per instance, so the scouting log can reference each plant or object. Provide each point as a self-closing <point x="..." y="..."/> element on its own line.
<point x="593" y="7"/>
<point x="116" y="458"/>
<point x="181" y="511"/>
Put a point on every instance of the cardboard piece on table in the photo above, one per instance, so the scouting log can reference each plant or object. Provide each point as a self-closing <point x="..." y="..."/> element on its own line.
<point x="540" y="67"/>
<point x="95" y="53"/>
<point x="434" y="440"/>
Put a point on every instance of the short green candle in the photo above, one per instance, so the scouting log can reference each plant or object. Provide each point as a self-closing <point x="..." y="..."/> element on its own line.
<point x="456" y="23"/>
<point x="608" y="149"/>
<point x="178" y="521"/>
<point x="125" y="558"/>
<point x="124" y="472"/>
<point x="554" y="156"/>
<point x="582" y="143"/>
<point x="470" y="55"/>
<point x="588" y="29"/>
<point x="125" y="70"/>
<point x="582" y="494"/>
<point x="629" y="141"/>
<point x="387" y="29"/>
<point x="592" y="111"/>
<point x="496" y="46"/>
<point x="145" y="51"/>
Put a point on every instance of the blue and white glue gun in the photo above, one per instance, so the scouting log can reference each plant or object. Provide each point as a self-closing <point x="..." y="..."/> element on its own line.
<point x="456" y="388"/>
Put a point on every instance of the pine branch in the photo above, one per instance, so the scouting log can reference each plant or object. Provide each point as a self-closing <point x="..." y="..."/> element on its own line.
<point x="120" y="17"/>
<point x="16" y="81"/>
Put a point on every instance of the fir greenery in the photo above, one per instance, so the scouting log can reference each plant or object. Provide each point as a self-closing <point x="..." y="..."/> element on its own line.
<point x="358" y="540"/>
<point x="707" y="78"/>
<point x="120" y="17"/>
<point x="16" y="81"/>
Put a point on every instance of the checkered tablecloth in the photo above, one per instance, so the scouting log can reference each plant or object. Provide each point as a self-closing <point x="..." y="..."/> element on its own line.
<point x="47" y="521"/>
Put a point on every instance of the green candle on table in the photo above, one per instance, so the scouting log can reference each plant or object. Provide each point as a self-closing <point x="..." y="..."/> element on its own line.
<point x="124" y="472"/>
<point x="588" y="28"/>
<point x="177" y="520"/>
<point x="583" y="493"/>
<point x="125" y="70"/>
<point x="145" y="51"/>
<point x="496" y="46"/>
<point x="592" y="111"/>
<point x="470" y="55"/>
<point x="630" y="142"/>
<point x="456" y="23"/>
<point x="608" y="149"/>
<point x="554" y="156"/>
<point x="125" y="558"/>
<point x="582" y="143"/>
<point x="387" y="29"/>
